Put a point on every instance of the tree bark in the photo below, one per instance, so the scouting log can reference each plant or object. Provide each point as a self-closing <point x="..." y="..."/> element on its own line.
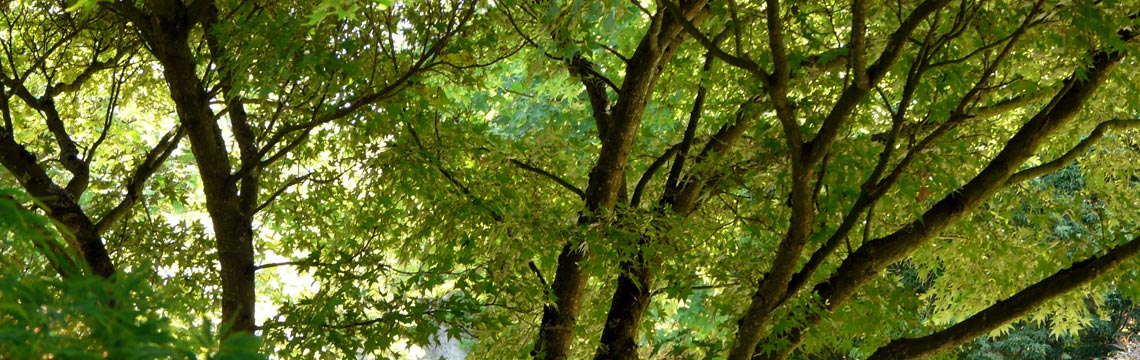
<point x="806" y="159"/>
<point x="58" y="204"/>
<point x="166" y="26"/>
<point x="1010" y="309"/>
<point x="617" y="130"/>
<point x="558" y="320"/>
<point x="631" y="299"/>
<point x="871" y="258"/>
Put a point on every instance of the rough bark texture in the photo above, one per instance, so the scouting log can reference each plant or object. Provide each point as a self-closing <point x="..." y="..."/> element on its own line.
<point x="165" y="25"/>
<point x="558" y="320"/>
<point x="58" y="204"/>
<point x="633" y="292"/>
<point x="627" y="308"/>
<point x="617" y="129"/>
<point x="556" y="332"/>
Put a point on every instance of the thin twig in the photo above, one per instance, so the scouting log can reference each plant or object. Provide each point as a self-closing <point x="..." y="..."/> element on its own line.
<point x="566" y="184"/>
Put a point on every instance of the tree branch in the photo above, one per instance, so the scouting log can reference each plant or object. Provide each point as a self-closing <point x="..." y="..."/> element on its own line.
<point x="288" y="184"/>
<point x="541" y="279"/>
<point x="425" y="62"/>
<point x="858" y="59"/>
<point x="566" y="184"/>
<point x="134" y="185"/>
<point x="711" y="46"/>
<point x="68" y="152"/>
<point x="867" y="261"/>
<point x="777" y="86"/>
<point x="1080" y="149"/>
<point x="244" y="136"/>
<point x="873" y="256"/>
<point x="57" y="203"/>
<point x="781" y="71"/>
<point x="853" y="95"/>
<point x="635" y="200"/>
<point x="1012" y="308"/>
<point x="673" y="184"/>
<point x="108" y="117"/>
<point x="720" y="143"/>
<point x="875" y="186"/>
<point x="6" y="111"/>
<point x="93" y="67"/>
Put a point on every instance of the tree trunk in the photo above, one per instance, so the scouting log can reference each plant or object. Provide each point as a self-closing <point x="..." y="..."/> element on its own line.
<point x="617" y="130"/>
<point x="166" y="29"/>
<point x="557" y="332"/>
<point x="627" y="308"/>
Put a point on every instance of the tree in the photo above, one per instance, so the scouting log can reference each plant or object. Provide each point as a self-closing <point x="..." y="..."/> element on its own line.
<point x="969" y="84"/>
<point x="263" y="133"/>
<point x="610" y="179"/>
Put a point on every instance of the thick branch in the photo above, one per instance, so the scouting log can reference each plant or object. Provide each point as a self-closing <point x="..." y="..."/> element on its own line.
<point x="166" y="27"/>
<point x="681" y="192"/>
<point x="875" y="255"/>
<point x="781" y="70"/>
<point x="778" y="85"/>
<point x="606" y="183"/>
<point x="672" y="183"/>
<point x="773" y="287"/>
<point x="57" y="203"/>
<point x="876" y="185"/>
<point x="93" y="67"/>
<point x="68" y="151"/>
<point x="6" y="112"/>
<point x="858" y="59"/>
<point x="243" y="132"/>
<point x="1012" y="308"/>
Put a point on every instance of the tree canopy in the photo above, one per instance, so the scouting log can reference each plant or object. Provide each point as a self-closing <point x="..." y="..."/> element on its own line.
<point x="564" y="179"/>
